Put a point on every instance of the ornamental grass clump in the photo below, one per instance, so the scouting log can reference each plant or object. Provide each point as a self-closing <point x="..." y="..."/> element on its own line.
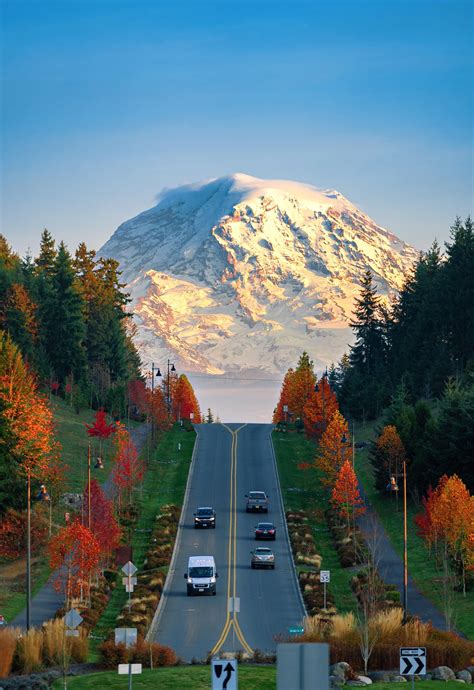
<point x="8" y="640"/>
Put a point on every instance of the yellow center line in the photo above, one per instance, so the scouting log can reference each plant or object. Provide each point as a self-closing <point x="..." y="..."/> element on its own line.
<point x="232" y="551"/>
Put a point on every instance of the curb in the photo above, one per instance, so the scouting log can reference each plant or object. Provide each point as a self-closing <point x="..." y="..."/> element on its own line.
<point x="162" y="603"/>
<point x="282" y="507"/>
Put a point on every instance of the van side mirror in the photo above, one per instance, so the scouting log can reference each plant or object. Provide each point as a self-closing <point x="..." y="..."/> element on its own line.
<point x="194" y="514"/>
<point x="217" y="574"/>
<point x="185" y="576"/>
<point x="246" y="496"/>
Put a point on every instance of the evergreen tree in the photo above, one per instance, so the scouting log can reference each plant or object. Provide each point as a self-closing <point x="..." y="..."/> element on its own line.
<point x="365" y="385"/>
<point x="459" y="295"/>
<point x="64" y="321"/>
<point x="209" y="416"/>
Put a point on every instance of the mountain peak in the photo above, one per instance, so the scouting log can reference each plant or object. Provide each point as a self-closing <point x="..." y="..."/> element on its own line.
<point x="238" y="272"/>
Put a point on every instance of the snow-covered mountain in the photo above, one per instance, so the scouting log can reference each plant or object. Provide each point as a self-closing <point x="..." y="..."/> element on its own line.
<point x="239" y="273"/>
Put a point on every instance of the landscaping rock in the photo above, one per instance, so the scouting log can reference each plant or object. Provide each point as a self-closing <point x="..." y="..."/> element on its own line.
<point x="443" y="673"/>
<point x="340" y="669"/>
<point x="471" y="670"/>
<point x="464" y="675"/>
<point x="336" y="681"/>
<point x="365" y="679"/>
<point x="398" y="679"/>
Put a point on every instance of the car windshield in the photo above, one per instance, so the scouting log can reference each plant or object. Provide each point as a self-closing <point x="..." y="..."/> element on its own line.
<point x="264" y="525"/>
<point x="257" y="494"/>
<point x="205" y="512"/>
<point x="263" y="552"/>
<point x="201" y="571"/>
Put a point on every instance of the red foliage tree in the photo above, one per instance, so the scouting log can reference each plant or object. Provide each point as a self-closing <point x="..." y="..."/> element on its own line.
<point x="75" y="554"/>
<point x="128" y="468"/>
<point x="100" y="429"/>
<point x="139" y="396"/>
<point x="185" y="401"/>
<point x="345" y="495"/>
<point x="319" y="409"/>
<point x="103" y="523"/>
<point x="13" y="532"/>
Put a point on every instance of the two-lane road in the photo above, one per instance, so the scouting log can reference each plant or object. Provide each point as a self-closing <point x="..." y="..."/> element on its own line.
<point x="229" y="461"/>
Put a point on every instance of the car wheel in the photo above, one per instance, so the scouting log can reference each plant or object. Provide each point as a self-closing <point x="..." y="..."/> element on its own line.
<point x="214" y="593"/>
<point x="214" y="526"/>
<point x="252" y="565"/>
<point x="273" y="567"/>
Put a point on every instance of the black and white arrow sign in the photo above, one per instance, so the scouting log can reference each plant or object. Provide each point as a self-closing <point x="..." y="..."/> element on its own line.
<point x="224" y="674"/>
<point x="413" y="661"/>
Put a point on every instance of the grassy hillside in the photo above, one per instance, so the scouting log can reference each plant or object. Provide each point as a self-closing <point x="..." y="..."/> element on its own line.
<point x="72" y="435"/>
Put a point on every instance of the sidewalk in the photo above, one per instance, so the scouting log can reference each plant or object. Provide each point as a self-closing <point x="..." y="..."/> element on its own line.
<point x="47" y="601"/>
<point x="390" y="566"/>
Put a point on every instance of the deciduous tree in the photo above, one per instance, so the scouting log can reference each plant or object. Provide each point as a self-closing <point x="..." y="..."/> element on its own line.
<point x="334" y="448"/>
<point x="128" y="467"/>
<point x="345" y="495"/>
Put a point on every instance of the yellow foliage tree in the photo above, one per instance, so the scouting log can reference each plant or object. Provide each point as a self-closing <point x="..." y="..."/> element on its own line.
<point x="334" y="448"/>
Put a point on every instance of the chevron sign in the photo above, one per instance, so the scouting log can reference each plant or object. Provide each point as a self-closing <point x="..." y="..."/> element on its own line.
<point x="412" y="661"/>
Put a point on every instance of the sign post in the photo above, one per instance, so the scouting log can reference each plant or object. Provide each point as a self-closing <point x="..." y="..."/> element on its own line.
<point x="233" y="606"/>
<point x="224" y="674"/>
<point x="304" y="666"/>
<point x="413" y="662"/>
<point x="129" y="581"/>
<point x="325" y="577"/>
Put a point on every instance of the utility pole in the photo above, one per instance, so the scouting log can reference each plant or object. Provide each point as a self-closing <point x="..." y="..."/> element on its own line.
<point x="28" y="551"/>
<point x="405" y="551"/>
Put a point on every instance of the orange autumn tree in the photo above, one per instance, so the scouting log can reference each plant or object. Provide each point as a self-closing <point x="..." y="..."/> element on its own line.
<point x="297" y="387"/>
<point x="75" y="553"/>
<point x="345" y="495"/>
<point x="334" y="449"/>
<point x="185" y="401"/>
<point x="447" y="524"/>
<point x="159" y="409"/>
<point x="319" y="408"/>
<point x="28" y="414"/>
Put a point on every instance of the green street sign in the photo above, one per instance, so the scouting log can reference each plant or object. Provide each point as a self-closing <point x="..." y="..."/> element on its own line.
<point x="296" y="630"/>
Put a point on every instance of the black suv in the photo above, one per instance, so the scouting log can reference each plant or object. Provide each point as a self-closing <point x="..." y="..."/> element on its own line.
<point x="205" y="517"/>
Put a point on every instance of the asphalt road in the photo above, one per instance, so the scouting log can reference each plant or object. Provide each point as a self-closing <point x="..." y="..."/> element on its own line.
<point x="229" y="461"/>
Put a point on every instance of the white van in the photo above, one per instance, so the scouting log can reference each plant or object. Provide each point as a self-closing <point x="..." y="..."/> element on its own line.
<point x="201" y="575"/>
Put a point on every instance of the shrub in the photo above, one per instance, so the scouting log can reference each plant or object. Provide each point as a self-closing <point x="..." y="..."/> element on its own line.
<point x="53" y="638"/>
<point x="111" y="654"/>
<point x="8" y="638"/>
<point x="29" y="649"/>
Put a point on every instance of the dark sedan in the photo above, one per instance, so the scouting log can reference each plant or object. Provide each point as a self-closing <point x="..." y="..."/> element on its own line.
<point x="265" y="530"/>
<point x="205" y="517"/>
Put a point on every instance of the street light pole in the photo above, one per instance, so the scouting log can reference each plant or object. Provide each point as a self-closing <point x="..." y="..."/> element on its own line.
<point x="169" y="385"/>
<point x="405" y="551"/>
<point x="89" y="486"/>
<point x="28" y="550"/>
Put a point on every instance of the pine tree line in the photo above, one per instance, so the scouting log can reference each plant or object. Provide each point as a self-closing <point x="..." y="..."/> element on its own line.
<point x="67" y="314"/>
<point x="414" y="362"/>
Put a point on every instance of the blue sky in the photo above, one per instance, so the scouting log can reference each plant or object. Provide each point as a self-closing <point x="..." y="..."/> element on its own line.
<point x="106" y="102"/>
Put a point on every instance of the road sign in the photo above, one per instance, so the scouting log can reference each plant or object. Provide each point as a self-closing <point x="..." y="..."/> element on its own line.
<point x="296" y="630"/>
<point x="412" y="661"/>
<point x="325" y="576"/>
<point x="303" y="666"/>
<point x="129" y="581"/>
<point x="72" y="619"/>
<point x="129" y="569"/>
<point x="233" y="604"/>
<point x="72" y="633"/>
<point x="285" y="408"/>
<point x="123" y="669"/>
<point x="224" y="674"/>
<point x="126" y="636"/>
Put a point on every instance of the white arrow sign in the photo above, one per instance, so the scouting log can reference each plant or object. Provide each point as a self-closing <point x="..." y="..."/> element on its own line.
<point x="129" y="569"/>
<point x="124" y="670"/>
<point x="224" y="674"/>
<point x="413" y="661"/>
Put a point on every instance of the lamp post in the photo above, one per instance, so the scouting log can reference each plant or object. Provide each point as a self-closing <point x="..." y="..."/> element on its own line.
<point x="158" y="373"/>
<point x="171" y="368"/>
<point x="323" y="391"/>
<point x="405" y="545"/>
<point x="42" y="496"/>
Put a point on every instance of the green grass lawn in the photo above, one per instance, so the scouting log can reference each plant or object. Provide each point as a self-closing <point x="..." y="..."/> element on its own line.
<point x="421" y="566"/>
<point x="199" y="678"/>
<point x="72" y="435"/>
<point x="302" y="490"/>
<point x="164" y="482"/>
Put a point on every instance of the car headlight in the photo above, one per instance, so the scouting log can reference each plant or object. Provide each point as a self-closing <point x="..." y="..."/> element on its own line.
<point x="213" y="580"/>
<point x="190" y="582"/>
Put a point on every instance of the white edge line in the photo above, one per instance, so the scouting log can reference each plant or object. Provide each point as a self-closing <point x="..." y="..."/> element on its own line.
<point x="282" y="507"/>
<point x="169" y="576"/>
